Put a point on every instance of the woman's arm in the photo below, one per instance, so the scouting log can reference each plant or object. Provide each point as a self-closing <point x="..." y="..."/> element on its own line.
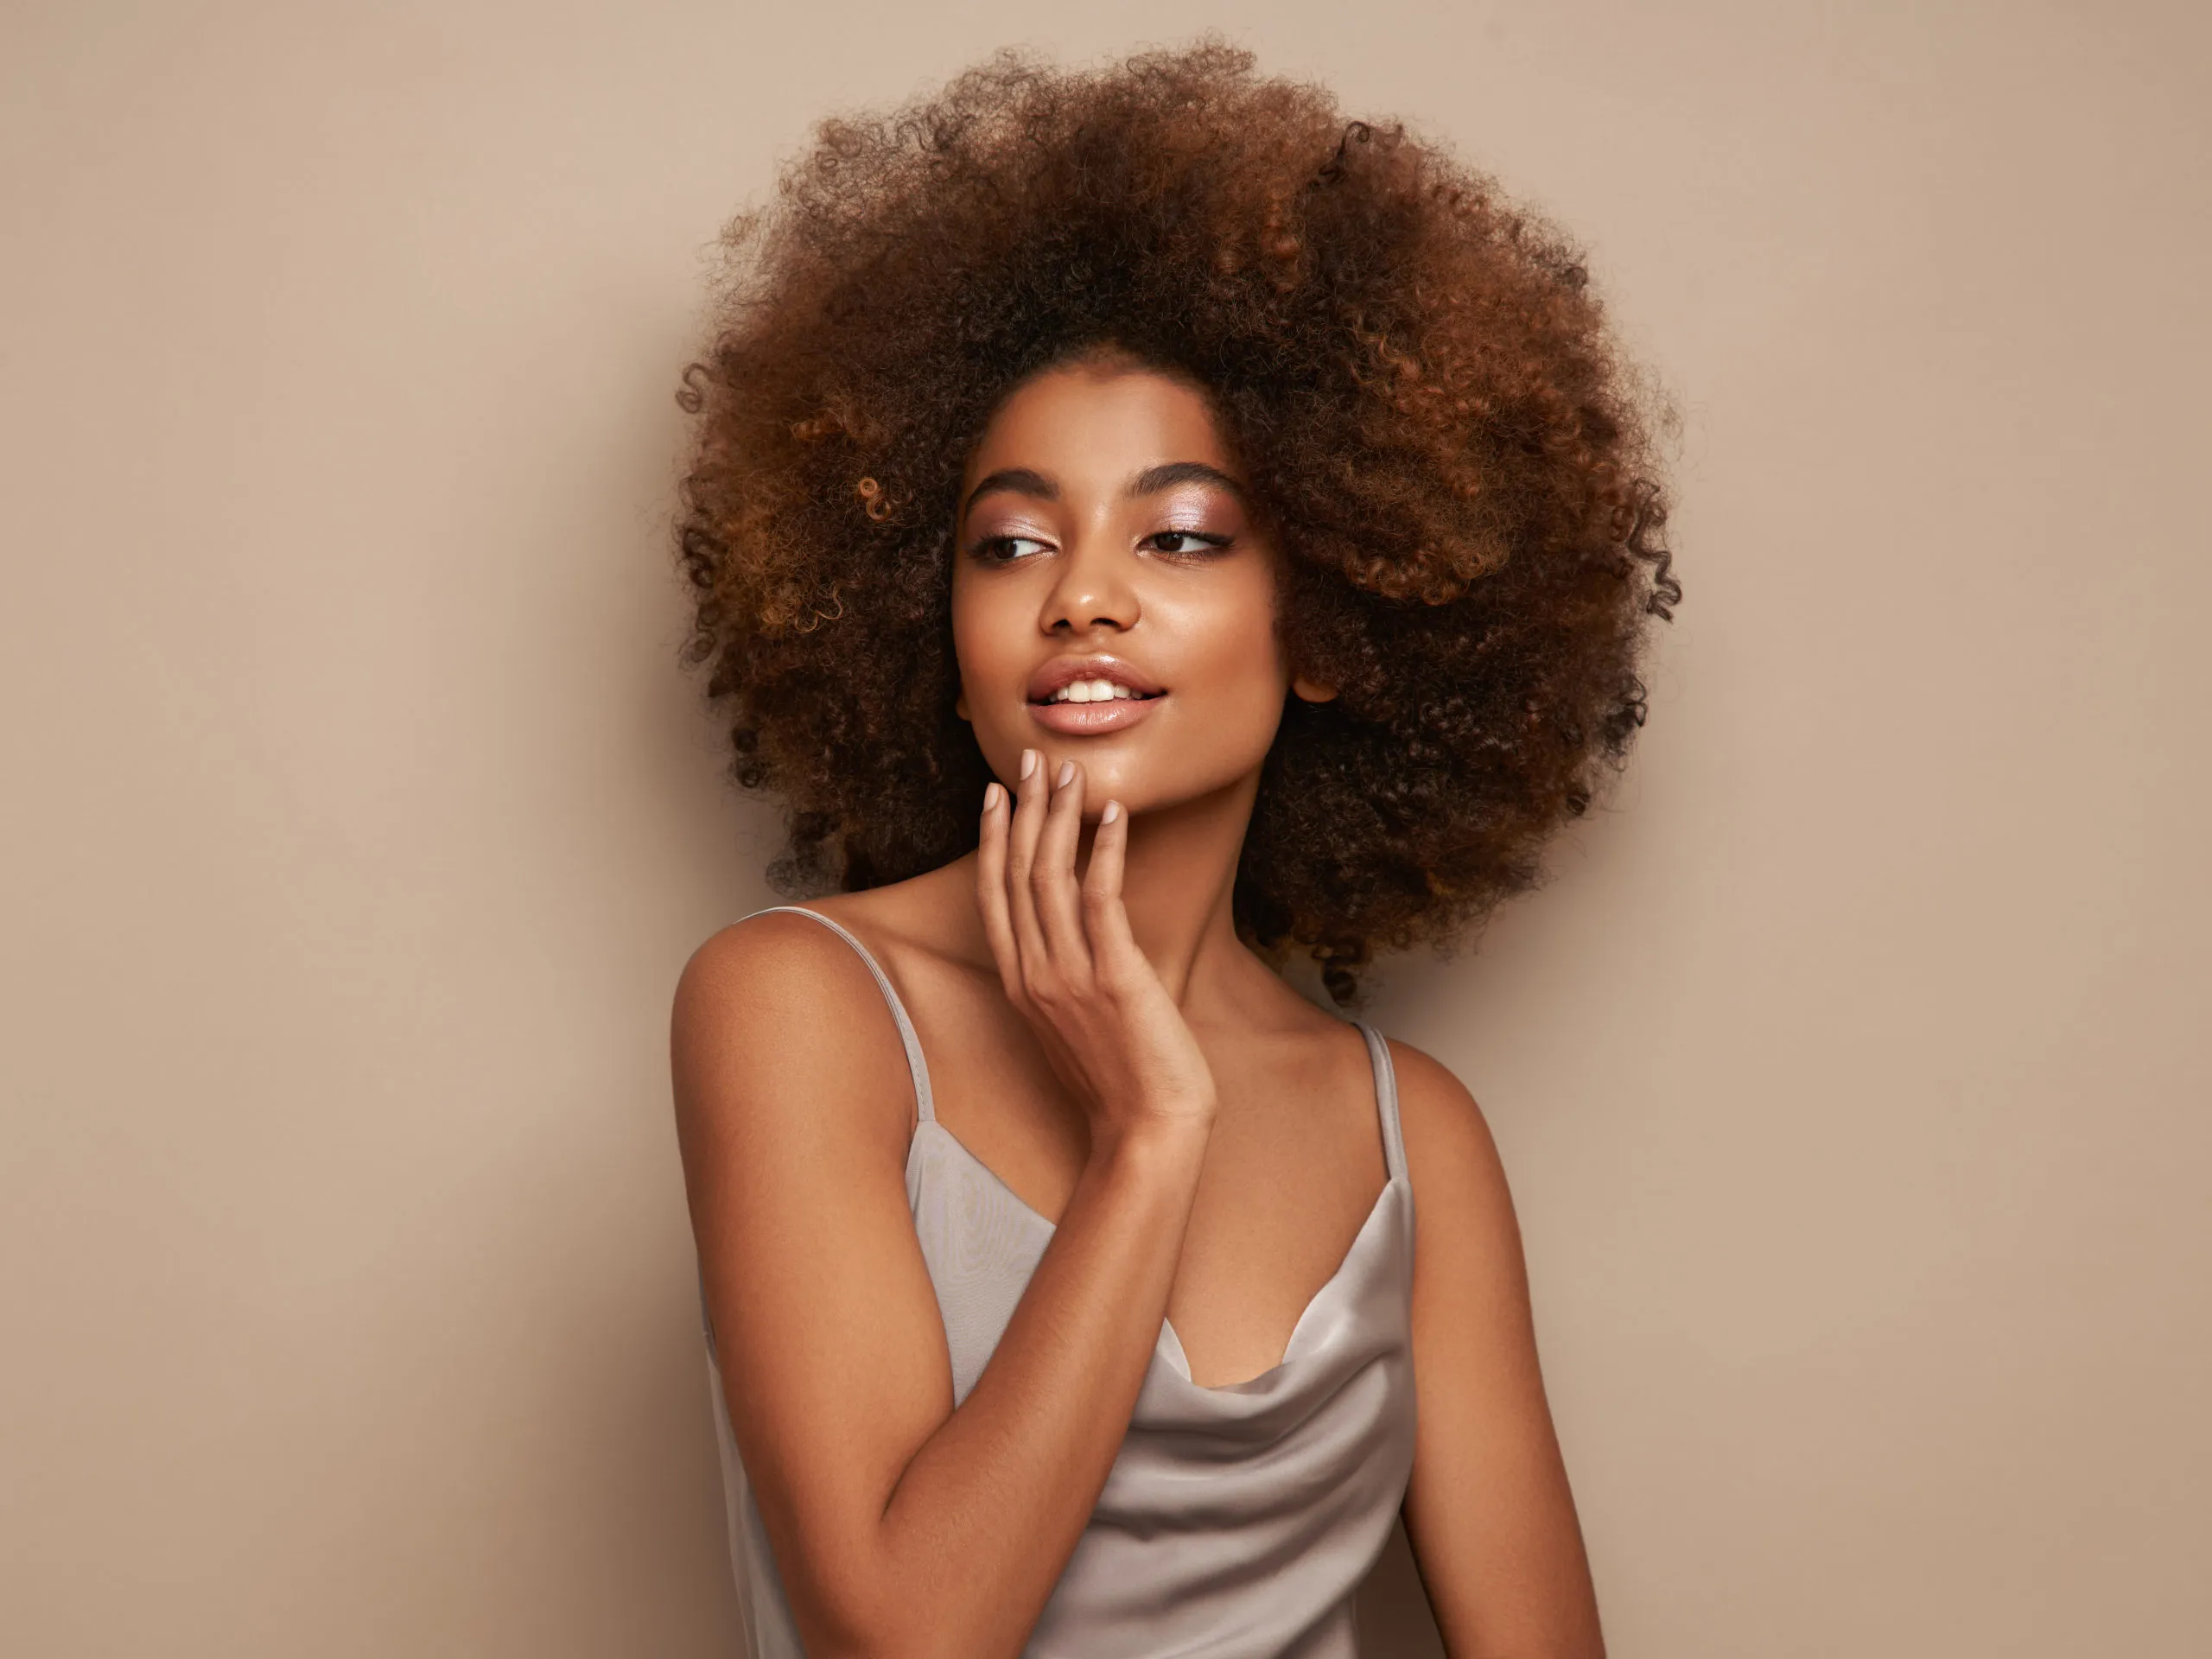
<point x="900" y="1525"/>
<point x="1488" y="1513"/>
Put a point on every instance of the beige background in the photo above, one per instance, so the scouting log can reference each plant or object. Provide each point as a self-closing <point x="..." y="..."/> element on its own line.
<point x="1853" y="1075"/>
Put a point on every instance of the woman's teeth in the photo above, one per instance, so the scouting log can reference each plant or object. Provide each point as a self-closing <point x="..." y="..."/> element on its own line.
<point x="1090" y="691"/>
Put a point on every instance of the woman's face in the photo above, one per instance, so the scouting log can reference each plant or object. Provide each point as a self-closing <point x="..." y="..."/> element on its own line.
<point x="1113" y="601"/>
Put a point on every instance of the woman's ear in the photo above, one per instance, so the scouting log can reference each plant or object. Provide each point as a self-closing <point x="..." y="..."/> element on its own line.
<point x="1312" y="691"/>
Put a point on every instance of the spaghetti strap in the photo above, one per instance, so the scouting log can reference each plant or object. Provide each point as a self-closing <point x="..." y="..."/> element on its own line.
<point x="916" y="1066"/>
<point x="1386" y="1101"/>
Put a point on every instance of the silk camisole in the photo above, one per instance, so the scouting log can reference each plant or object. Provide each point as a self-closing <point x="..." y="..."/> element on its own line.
<point x="1236" y="1521"/>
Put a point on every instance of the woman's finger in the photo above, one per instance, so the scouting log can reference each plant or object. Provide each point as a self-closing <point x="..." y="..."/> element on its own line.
<point x="1030" y="792"/>
<point x="1053" y="876"/>
<point x="1104" y="919"/>
<point x="990" y="890"/>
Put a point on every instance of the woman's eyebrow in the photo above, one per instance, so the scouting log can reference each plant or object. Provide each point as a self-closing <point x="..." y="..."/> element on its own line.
<point x="1017" y="480"/>
<point x="1154" y="479"/>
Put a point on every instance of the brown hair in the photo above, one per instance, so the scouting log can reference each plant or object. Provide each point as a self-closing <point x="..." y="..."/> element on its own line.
<point x="1457" y="462"/>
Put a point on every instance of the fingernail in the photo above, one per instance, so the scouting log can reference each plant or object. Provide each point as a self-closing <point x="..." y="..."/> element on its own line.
<point x="1113" y="811"/>
<point x="990" y="797"/>
<point x="1028" y="761"/>
<point x="1067" y="773"/>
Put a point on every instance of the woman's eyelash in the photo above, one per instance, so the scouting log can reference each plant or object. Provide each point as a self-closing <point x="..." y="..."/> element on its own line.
<point x="999" y="550"/>
<point x="1210" y="541"/>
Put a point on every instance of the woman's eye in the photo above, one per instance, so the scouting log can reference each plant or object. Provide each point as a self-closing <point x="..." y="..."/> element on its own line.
<point x="1185" y="541"/>
<point x="1008" y="550"/>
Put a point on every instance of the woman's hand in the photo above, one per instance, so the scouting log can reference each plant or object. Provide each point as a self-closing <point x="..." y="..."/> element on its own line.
<point x="1068" y="962"/>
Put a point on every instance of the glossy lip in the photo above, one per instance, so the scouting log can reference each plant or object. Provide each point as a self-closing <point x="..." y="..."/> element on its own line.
<point x="1089" y="719"/>
<point x="1066" y="670"/>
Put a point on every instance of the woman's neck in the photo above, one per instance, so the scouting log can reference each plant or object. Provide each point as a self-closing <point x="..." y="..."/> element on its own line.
<point x="1177" y="883"/>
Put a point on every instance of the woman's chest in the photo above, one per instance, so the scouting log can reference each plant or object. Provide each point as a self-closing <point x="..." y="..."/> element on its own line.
<point x="1294" y="1172"/>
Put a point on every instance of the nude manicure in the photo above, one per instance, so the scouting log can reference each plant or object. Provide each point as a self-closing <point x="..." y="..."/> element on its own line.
<point x="1067" y="773"/>
<point x="1028" y="761"/>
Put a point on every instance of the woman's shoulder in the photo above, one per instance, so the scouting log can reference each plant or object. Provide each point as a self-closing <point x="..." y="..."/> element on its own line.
<point x="776" y="1007"/>
<point x="777" y="947"/>
<point x="1428" y="1085"/>
<point x="1451" y="1155"/>
<point x="777" y="994"/>
<point x="778" y="963"/>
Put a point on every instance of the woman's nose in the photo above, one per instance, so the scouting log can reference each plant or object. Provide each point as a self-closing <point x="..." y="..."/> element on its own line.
<point x="1094" y="586"/>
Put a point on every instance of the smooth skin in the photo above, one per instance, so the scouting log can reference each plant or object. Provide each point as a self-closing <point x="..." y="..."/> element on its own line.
<point x="1203" y="1138"/>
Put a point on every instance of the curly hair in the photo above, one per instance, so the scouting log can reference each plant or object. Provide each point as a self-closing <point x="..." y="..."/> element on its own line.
<point x="1457" y="462"/>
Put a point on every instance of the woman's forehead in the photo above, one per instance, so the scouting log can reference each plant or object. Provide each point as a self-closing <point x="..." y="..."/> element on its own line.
<point x="1097" y="425"/>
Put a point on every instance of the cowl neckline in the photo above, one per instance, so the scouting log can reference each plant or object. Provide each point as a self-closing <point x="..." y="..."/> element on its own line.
<point x="1323" y="1312"/>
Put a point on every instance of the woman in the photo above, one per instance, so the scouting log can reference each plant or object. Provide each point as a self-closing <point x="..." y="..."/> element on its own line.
<point x="1144" y="527"/>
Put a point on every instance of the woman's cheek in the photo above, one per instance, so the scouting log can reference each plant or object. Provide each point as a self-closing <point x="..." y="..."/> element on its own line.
<point x="991" y="681"/>
<point x="1248" y="672"/>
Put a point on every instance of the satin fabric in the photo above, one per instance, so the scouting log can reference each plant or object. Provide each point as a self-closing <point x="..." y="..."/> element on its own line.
<point x="1237" y="1522"/>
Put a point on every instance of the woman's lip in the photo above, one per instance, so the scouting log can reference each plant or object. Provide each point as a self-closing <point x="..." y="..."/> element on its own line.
<point x="1089" y="719"/>
<point x="1064" y="671"/>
